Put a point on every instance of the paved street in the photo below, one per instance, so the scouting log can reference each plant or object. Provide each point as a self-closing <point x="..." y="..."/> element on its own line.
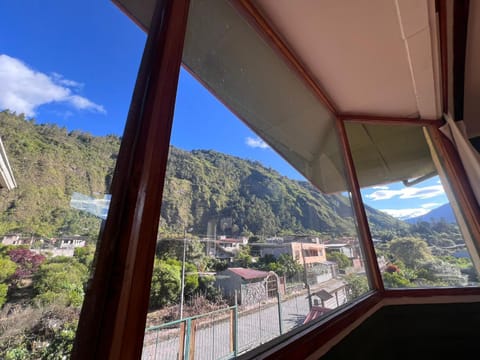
<point x="212" y="341"/>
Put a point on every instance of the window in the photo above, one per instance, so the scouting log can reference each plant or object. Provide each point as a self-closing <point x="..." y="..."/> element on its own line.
<point x="424" y="246"/>
<point x="61" y="132"/>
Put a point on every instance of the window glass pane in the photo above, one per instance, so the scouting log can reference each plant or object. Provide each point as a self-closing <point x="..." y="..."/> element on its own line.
<point x="248" y="249"/>
<point x="265" y="251"/>
<point x="65" y="93"/>
<point x="423" y="246"/>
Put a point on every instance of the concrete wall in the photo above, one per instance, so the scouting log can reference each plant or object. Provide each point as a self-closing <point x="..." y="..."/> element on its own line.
<point x="228" y="282"/>
<point x="55" y="251"/>
<point x="276" y="251"/>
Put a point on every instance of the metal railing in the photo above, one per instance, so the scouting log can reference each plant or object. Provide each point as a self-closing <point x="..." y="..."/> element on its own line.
<point x="225" y="333"/>
<point x="207" y="336"/>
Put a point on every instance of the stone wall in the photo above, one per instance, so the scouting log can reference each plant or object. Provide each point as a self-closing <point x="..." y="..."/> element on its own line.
<point x="253" y="293"/>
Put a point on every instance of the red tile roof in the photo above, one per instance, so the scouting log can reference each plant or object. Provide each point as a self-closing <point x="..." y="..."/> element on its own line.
<point x="249" y="274"/>
<point x="315" y="313"/>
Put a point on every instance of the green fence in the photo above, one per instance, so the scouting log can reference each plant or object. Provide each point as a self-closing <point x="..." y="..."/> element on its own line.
<point x="227" y="332"/>
<point x="208" y="336"/>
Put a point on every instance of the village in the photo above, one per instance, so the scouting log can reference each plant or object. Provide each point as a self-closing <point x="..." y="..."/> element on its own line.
<point x="287" y="282"/>
<point x="251" y="286"/>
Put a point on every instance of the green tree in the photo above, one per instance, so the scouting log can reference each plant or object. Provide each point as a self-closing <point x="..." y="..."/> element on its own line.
<point x="341" y="259"/>
<point x="288" y="266"/>
<point x="85" y="255"/>
<point x="395" y="280"/>
<point x="411" y="251"/>
<point x="243" y="257"/>
<point x="357" y="285"/>
<point x="60" y="280"/>
<point x="166" y="283"/>
<point x="208" y="289"/>
<point x="173" y="249"/>
<point x="7" y="269"/>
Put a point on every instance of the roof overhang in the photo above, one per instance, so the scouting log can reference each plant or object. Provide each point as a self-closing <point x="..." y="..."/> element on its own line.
<point x="289" y="69"/>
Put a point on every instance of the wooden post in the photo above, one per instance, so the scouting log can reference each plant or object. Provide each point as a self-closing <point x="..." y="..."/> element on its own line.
<point x="181" y="342"/>
<point x="112" y="321"/>
<point x="232" y="330"/>
<point x="193" y="333"/>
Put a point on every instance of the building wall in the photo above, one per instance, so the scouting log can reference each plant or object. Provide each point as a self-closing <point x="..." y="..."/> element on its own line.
<point x="55" y="251"/>
<point x="296" y="250"/>
<point x="300" y="251"/>
<point x="248" y="292"/>
<point x="276" y="251"/>
<point x="228" y="282"/>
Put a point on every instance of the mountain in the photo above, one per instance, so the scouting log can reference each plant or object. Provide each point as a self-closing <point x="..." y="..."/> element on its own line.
<point x="202" y="187"/>
<point x="243" y="196"/>
<point x="444" y="212"/>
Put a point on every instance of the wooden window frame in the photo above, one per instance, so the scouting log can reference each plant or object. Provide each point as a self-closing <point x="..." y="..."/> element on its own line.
<point x="113" y="316"/>
<point x="112" y="320"/>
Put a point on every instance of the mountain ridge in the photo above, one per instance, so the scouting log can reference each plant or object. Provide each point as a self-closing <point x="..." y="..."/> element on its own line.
<point x="202" y="187"/>
<point x="444" y="212"/>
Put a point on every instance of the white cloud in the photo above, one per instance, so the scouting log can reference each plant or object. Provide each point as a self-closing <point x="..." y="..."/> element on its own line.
<point x="382" y="187"/>
<point x="426" y="192"/>
<point x="256" y="143"/>
<point x="404" y="214"/>
<point x="23" y="89"/>
<point x="84" y="104"/>
<point x="59" y="79"/>
<point x="430" y="205"/>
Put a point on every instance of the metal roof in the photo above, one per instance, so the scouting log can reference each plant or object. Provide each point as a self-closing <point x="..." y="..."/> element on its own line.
<point x="249" y="274"/>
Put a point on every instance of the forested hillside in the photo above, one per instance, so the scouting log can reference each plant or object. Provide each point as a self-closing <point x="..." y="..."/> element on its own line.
<point x="244" y="197"/>
<point x="240" y="196"/>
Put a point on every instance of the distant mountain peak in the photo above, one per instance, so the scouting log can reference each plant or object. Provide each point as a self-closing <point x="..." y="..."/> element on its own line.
<point x="444" y="212"/>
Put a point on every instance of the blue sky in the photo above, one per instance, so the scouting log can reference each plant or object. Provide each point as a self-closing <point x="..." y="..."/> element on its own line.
<point x="74" y="63"/>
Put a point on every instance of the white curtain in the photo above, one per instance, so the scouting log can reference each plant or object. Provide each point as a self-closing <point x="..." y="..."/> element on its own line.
<point x="455" y="131"/>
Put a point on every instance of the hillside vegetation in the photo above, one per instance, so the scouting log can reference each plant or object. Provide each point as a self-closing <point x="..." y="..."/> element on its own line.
<point x="240" y="196"/>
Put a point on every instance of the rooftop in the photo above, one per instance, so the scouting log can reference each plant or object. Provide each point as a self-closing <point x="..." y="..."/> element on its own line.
<point x="249" y="274"/>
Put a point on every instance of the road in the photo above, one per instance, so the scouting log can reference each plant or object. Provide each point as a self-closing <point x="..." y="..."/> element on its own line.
<point x="212" y="339"/>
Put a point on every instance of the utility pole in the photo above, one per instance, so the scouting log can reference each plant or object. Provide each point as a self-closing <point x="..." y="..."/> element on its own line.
<point x="183" y="270"/>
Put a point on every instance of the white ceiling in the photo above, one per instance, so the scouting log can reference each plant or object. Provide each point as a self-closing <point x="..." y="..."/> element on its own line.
<point x="472" y="72"/>
<point x="370" y="56"/>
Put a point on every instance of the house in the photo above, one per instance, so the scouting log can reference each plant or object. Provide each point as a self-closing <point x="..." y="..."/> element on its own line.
<point x="225" y="248"/>
<point x="307" y="239"/>
<point x="350" y="250"/>
<point x="71" y="242"/>
<point x="14" y="239"/>
<point x="248" y="285"/>
<point x="344" y="249"/>
<point x="351" y="94"/>
<point x="308" y="253"/>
